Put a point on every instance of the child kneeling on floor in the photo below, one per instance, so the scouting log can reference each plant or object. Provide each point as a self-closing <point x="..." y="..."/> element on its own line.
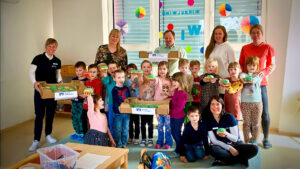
<point x="194" y="137"/>
<point x="99" y="133"/>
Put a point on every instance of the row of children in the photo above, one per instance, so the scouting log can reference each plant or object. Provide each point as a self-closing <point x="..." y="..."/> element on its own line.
<point x="180" y="88"/>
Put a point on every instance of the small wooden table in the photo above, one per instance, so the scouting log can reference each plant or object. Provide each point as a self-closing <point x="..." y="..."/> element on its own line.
<point x="118" y="156"/>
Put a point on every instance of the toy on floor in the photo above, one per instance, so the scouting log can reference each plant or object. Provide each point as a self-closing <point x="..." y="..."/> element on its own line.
<point x="159" y="160"/>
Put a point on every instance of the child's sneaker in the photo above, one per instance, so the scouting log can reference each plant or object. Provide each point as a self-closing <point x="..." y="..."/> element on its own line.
<point x="50" y="139"/>
<point x="80" y="138"/>
<point x="167" y="147"/>
<point x="157" y="146"/>
<point x="143" y="143"/>
<point x="129" y="141"/>
<point x="136" y="141"/>
<point x="74" y="136"/>
<point x="150" y="143"/>
<point x="266" y="143"/>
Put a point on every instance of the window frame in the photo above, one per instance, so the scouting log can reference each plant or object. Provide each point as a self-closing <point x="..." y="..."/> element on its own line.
<point x="209" y="13"/>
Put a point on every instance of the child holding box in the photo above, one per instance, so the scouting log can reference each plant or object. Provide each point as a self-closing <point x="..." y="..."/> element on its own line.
<point x="162" y="91"/>
<point x="77" y="104"/>
<point x="121" y="121"/>
<point x="147" y="91"/>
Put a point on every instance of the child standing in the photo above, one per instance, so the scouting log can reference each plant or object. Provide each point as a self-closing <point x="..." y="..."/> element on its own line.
<point x="77" y="104"/>
<point x="99" y="133"/>
<point x="147" y="91"/>
<point x="162" y="91"/>
<point x="179" y="99"/>
<point x="194" y="137"/>
<point x="94" y="83"/>
<point x="110" y="84"/>
<point x="183" y="66"/>
<point x="134" y="124"/>
<point x="251" y="99"/>
<point x="233" y="90"/>
<point x="195" y="68"/>
<point x="121" y="121"/>
<point x="209" y="83"/>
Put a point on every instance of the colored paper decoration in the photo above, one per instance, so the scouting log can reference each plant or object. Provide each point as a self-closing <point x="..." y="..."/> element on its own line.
<point x="122" y="26"/>
<point x="188" y="49"/>
<point x="202" y="50"/>
<point x="160" y="4"/>
<point x="170" y="26"/>
<point x="225" y="10"/>
<point x="140" y="12"/>
<point x="190" y="2"/>
<point x="160" y="35"/>
<point x="248" y="22"/>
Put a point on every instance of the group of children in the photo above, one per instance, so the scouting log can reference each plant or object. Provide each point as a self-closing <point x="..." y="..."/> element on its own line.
<point x="189" y="94"/>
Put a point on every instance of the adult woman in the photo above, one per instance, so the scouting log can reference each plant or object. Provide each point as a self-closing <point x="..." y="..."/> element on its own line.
<point x="44" y="67"/>
<point x="220" y="49"/>
<point x="112" y="51"/>
<point x="265" y="52"/>
<point x="226" y="146"/>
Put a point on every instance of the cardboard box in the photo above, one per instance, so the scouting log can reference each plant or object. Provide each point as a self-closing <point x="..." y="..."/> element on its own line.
<point x="46" y="93"/>
<point x="163" y="106"/>
<point x="172" y="55"/>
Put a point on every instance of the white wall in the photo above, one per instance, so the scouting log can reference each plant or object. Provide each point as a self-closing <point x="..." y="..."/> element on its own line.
<point x="290" y="109"/>
<point x="276" y="33"/>
<point x="25" y="25"/>
<point x="78" y="29"/>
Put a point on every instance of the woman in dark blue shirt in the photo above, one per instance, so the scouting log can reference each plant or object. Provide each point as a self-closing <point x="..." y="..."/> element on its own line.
<point x="227" y="148"/>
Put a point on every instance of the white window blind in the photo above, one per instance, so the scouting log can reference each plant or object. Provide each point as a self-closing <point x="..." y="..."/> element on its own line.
<point x="188" y="22"/>
<point x="138" y="28"/>
<point x="232" y="23"/>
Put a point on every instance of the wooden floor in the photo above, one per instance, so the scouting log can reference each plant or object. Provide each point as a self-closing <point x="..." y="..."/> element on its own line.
<point x="15" y="142"/>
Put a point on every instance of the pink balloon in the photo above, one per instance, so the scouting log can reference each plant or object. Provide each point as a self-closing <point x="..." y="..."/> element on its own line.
<point x="160" y="4"/>
<point x="190" y="2"/>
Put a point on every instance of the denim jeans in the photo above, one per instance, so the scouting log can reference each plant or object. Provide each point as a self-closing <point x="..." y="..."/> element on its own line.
<point x="110" y="119"/>
<point x="265" y="118"/>
<point x="176" y="125"/>
<point x="194" y="152"/>
<point x="121" y="127"/>
<point x="164" y="121"/>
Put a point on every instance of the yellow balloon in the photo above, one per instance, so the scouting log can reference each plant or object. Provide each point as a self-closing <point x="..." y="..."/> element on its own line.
<point x="160" y="35"/>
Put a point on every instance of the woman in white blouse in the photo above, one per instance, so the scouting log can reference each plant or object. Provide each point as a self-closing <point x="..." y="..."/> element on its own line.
<point x="220" y="49"/>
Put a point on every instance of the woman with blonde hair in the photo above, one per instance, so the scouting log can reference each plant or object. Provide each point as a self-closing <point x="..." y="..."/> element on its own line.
<point x="220" y="49"/>
<point x="112" y="51"/>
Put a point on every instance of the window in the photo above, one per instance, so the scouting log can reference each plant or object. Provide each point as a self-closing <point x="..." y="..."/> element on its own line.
<point x="132" y="18"/>
<point x="188" y="22"/>
<point x="193" y="23"/>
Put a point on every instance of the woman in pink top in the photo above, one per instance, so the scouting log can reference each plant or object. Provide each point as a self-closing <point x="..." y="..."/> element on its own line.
<point x="265" y="52"/>
<point x="99" y="133"/>
<point x="162" y="91"/>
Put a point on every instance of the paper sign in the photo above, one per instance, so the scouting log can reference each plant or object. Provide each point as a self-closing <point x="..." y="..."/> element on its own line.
<point x="65" y="95"/>
<point x="90" y="161"/>
<point x="158" y="57"/>
<point x="143" y="111"/>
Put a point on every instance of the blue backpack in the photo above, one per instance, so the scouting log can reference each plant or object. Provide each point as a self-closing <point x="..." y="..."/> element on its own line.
<point x="159" y="160"/>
